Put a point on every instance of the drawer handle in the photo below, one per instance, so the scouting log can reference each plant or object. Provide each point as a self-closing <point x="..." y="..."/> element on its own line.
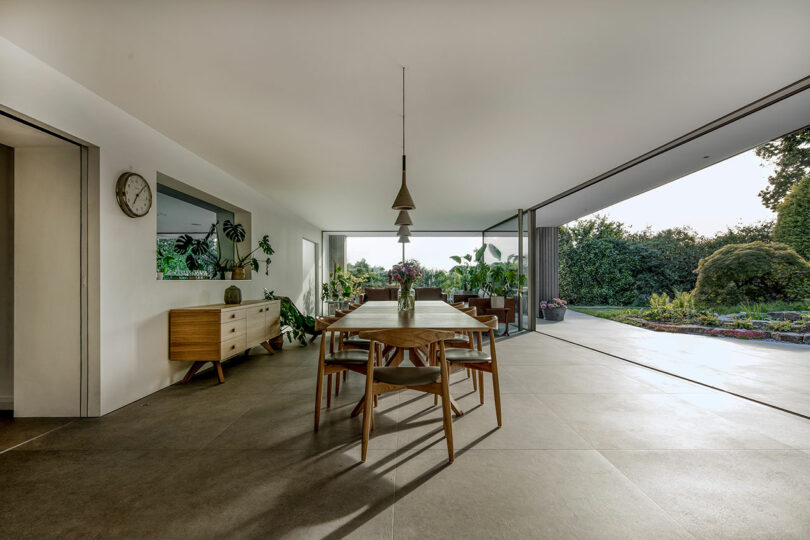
<point x="261" y="310"/>
<point x="233" y="329"/>
<point x="233" y="346"/>
<point x="233" y="315"/>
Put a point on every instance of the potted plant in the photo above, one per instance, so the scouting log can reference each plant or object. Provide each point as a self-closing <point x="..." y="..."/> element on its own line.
<point x="405" y="274"/>
<point x="554" y="309"/>
<point x="471" y="276"/>
<point x="294" y="324"/>
<point x="339" y="290"/>
<point x="201" y="255"/>
<point x="236" y="233"/>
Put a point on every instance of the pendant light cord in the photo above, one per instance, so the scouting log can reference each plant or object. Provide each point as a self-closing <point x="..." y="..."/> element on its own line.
<point x="403" y="110"/>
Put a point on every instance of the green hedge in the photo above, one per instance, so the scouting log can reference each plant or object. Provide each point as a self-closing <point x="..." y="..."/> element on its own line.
<point x="602" y="263"/>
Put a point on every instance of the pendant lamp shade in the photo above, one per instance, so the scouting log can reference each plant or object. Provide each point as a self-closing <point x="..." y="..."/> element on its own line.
<point x="403" y="231"/>
<point x="404" y="201"/>
<point x="404" y="240"/>
<point x="403" y="218"/>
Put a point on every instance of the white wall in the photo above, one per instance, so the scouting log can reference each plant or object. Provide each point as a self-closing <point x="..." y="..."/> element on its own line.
<point x="47" y="273"/>
<point x="134" y="305"/>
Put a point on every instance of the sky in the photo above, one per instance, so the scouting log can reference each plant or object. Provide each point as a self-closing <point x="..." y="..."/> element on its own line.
<point x="709" y="201"/>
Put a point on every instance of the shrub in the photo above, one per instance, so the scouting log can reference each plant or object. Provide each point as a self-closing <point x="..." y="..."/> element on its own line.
<point x="793" y="221"/>
<point x="754" y="272"/>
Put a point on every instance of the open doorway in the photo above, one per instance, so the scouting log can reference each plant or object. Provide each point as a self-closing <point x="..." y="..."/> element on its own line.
<point x="309" y="267"/>
<point x="41" y="310"/>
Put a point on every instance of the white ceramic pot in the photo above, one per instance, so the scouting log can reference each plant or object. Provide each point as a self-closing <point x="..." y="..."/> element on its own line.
<point x="228" y="275"/>
<point x="497" y="302"/>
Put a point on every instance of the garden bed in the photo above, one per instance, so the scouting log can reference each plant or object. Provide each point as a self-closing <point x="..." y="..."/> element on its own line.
<point x="784" y="326"/>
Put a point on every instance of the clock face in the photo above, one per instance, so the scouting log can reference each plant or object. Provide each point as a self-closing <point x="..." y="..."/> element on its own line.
<point x="134" y="195"/>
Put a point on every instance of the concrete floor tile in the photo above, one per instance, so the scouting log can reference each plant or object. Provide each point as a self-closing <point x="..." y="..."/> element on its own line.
<point x="726" y="494"/>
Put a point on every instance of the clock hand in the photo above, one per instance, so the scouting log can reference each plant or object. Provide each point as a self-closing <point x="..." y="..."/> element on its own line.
<point x="138" y="195"/>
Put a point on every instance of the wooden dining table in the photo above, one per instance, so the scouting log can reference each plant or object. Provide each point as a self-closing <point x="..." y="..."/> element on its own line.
<point x="427" y="314"/>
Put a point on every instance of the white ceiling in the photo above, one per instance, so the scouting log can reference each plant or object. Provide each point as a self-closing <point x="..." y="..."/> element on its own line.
<point x="508" y="103"/>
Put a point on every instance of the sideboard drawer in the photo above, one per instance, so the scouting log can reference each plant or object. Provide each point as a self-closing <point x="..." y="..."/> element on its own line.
<point x="232" y="315"/>
<point x="233" y="329"/>
<point x="232" y="347"/>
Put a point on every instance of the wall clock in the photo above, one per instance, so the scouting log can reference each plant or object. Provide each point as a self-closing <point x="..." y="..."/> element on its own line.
<point x="133" y="194"/>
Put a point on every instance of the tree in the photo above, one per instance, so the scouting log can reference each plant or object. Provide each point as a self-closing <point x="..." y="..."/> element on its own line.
<point x="793" y="221"/>
<point x="755" y="272"/>
<point x="791" y="156"/>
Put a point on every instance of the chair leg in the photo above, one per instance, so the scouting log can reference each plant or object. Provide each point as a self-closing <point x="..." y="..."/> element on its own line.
<point x="329" y="391"/>
<point x="475" y="382"/>
<point x="319" y="386"/>
<point x="448" y="422"/>
<point x="496" y="391"/>
<point x="337" y="384"/>
<point x="481" y="385"/>
<point x="367" y="412"/>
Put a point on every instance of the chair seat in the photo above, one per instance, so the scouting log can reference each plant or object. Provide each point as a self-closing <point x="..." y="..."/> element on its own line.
<point x="357" y="341"/>
<point x="407" y="376"/>
<point x="458" y="338"/>
<point x="352" y="356"/>
<point x="467" y="356"/>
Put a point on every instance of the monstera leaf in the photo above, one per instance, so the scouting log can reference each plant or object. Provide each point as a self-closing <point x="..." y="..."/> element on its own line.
<point x="234" y="232"/>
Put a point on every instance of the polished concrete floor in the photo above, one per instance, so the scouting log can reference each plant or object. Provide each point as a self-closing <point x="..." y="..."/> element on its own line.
<point x="771" y="372"/>
<point x="591" y="447"/>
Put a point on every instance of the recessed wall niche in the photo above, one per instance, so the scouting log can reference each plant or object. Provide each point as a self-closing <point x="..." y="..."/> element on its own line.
<point x="191" y="243"/>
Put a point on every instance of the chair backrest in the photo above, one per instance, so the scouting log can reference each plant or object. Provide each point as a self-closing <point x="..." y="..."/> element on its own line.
<point x="341" y="313"/>
<point x="354" y="306"/>
<point x="321" y="323"/>
<point x="428" y="293"/>
<point x="377" y="295"/>
<point x="407" y="337"/>
<point x="490" y="320"/>
<point x="458" y="305"/>
<point x="471" y="311"/>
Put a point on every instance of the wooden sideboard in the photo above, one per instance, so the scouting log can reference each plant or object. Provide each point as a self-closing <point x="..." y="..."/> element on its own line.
<point x="220" y="331"/>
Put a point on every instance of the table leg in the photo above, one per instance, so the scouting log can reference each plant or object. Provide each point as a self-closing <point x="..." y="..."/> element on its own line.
<point x="195" y="367"/>
<point x="220" y="375"/>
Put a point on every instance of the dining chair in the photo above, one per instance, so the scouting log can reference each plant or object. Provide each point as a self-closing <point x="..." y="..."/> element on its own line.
<point x="480" y="361"/>
<point x="429" y="379"/>
<point x="333" y="362"/>
<point x="457" y="305"/>
<point x="353" y="306"/>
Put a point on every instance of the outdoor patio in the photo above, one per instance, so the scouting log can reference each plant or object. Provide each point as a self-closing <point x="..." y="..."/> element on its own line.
<point x="774" y="373"/>
<point x="591" y="447"/>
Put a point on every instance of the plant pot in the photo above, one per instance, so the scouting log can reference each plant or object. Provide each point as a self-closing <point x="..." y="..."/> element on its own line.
<point x="554" y="314"/>
<point x="228" y="275"/>
<point x="159" y="275"/>
<point x="238" y="272"/>
<point x="277" y="342"/>
<point x="497" y="302"/>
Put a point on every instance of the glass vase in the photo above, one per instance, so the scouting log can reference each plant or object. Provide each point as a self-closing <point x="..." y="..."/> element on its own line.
<point x="406" y="298"/>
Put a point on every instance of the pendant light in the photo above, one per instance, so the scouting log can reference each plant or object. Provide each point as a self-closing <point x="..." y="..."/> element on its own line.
<point x="403" y="218"/>
<point x="404" y="240"/>
<point x="404" y="201"/>
<point x="404" y="231"/>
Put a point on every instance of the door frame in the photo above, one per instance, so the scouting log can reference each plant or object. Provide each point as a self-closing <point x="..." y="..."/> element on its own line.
<point x="90" y="265"/>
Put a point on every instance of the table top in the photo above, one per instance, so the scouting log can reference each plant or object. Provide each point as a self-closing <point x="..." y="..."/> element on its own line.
<point x="426" y="314"/>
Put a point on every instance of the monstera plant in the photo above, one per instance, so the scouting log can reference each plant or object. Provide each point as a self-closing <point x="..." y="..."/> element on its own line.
<point x="200" y="253"/>
<point x="236" y="233"/>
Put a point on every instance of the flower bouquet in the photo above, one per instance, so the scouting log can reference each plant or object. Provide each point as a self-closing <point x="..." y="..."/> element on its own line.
<point x="405" y="274"/>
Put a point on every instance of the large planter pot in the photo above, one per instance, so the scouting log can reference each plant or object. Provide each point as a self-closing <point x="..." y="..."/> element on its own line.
<point x="497" y="302"/>
<point x="554" y="314"/>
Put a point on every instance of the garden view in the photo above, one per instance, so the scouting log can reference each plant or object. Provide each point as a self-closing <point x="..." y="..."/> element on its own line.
<point x="751" y="279"/>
